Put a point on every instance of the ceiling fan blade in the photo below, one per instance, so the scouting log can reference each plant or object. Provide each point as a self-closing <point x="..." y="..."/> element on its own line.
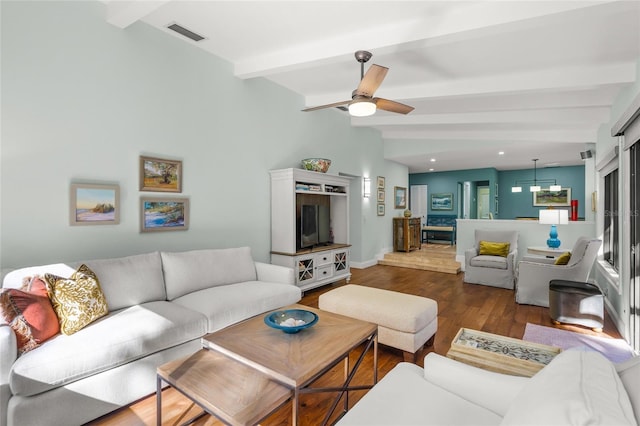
<point x="326" y="106"/>
<point x="392" y="106"/>
<point x="371" y="80"/>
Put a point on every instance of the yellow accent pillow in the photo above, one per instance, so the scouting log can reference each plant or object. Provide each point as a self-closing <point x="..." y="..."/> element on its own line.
<point x="563" y="259"/>
<point x="77" y="300"/>
<point x="491" y="248"/>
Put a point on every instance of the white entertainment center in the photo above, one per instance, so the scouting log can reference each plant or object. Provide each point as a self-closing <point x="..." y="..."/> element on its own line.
<point x="323" y="263"/>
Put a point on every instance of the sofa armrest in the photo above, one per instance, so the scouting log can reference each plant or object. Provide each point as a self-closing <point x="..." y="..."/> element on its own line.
<point x="274" y="273"/>
<point x="538" y="259"/>
<point x="470" y="253"/>
<point x="8" y="351"/>
<point x="493" y="391"/>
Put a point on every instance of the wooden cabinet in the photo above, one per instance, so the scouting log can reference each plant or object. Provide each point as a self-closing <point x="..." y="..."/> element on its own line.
<point x="325" y="262"/>
<point x="406" y="233"/>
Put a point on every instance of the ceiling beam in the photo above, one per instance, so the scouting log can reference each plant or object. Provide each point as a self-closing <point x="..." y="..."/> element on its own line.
<point x="124" y="13"/>
<point x="466" y="22"/>
<point x="575" y="135"/>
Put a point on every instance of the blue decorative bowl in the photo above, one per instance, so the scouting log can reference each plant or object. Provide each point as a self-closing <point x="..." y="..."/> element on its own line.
<point x="291" y="320"/>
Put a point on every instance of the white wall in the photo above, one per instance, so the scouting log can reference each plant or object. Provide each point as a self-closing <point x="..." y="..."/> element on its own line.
<point x="82" y="100"/>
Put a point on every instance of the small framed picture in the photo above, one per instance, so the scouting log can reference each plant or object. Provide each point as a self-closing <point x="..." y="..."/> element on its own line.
<point x="381" y="195"/>
<point x="380" y="182"/>
<point x="94" y="204"/>
<point x="164" y="214"/>
<point x="548" y="198"/>
<point x="442" y="201"/>
<point x="158" y="175"/>
<point x="380" y="209"/>
<point x="400" y="197"/>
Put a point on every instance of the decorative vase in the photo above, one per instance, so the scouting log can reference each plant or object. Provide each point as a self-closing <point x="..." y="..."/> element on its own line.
<point x="407" y="213"/>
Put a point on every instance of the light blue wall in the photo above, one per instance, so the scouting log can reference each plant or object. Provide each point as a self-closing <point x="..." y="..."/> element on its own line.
<point x="82" y="100"/>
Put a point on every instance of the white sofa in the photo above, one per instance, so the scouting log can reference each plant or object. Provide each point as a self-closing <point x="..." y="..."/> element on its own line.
<point x="577" y="388"/>
<point x="160" y="305"/>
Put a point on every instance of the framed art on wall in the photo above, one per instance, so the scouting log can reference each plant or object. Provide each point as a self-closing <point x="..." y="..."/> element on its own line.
<point x="400" y="197"/>
<point x="380" y="209"/>
<point x="94" y="204"/>
<point x="381" y="195"/>
<point x="380" y="182"/>
<point x="442" y="201"/>
<point x="164" y="214"/>
<point x="546" y="198"/>
<point x="159" y="175"/>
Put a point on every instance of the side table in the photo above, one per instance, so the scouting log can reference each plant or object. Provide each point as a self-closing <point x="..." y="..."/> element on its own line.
<point x="545" y="251"/>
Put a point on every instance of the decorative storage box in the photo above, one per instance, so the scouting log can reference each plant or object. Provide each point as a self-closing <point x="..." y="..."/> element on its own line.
<point x="500" y="353"/>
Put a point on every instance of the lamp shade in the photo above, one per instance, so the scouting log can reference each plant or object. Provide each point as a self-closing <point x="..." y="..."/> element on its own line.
<point x="362" y="108"/>
<point x="554" y="217"/>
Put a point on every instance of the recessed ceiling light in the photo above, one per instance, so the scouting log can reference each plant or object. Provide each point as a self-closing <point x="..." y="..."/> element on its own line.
<point x="501" y="153"/>
<point x="433" y="160"/>
<point x="430" y="170"/>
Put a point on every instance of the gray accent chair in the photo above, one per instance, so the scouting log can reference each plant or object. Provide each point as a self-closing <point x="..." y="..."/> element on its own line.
<point x="495" y="271"/>
<point x="535" y="273"/>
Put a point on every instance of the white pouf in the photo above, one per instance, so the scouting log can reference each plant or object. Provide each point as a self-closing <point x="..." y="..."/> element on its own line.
<point x="405" y="321"/>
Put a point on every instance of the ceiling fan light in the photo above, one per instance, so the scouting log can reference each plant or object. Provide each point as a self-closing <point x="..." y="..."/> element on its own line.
<point x="362" y="108"/>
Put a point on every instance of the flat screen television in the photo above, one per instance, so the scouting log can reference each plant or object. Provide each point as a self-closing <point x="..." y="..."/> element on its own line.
<point x="314" y="225"/>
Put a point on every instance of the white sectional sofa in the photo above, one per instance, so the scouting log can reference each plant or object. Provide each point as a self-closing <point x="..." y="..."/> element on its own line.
<point x="160" y="305"/>
<point x="577" y="388"/>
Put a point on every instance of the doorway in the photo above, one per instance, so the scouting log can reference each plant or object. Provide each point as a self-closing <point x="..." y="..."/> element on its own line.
<point x="418" y="202"/>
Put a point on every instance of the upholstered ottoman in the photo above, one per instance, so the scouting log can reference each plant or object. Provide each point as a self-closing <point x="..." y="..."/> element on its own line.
<point x="405" y="321"/>
<point x="575" y="302"/>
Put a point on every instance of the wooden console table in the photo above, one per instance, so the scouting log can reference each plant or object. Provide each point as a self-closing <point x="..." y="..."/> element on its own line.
<point x="406" y="233"/>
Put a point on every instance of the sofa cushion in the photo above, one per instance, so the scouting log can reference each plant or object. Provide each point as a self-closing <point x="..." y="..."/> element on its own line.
<point x="228" y="304"/>
<point x="495" y="262"/>
<point x="29" y="314"/>
<point x="189" y="271"/>
<point x="576" y="388"/>
<point x="131" y="280"/>
<point x="119" y="338"/>
<point x="404" y="397"/>
<point x="629" y="371"/>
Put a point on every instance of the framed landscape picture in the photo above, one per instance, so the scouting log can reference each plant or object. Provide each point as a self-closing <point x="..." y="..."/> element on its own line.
<point x="164" y="214"/>
<point x="94" y="204"/>
<point x="158" y="175"/>
<point x="400" y="197"/>
<point x="442" y="201"/>
<point x="546" y="198"/>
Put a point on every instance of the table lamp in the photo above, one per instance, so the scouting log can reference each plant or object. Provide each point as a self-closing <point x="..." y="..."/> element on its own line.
<point x="554" y="217"/>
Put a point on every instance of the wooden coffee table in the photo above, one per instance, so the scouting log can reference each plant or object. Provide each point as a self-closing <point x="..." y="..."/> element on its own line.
<point x="284" y="366"/>
<point x="500" y="353"/>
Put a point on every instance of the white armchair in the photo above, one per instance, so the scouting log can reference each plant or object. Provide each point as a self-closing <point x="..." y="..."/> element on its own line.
<point x="495" y="271"/>
<point x="534" y="273"/>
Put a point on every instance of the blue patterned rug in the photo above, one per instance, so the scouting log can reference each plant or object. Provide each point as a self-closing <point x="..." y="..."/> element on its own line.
<point x="616" y="350"/>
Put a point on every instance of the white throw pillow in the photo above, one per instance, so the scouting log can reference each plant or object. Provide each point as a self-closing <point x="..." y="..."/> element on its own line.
<point x="576" y="388"/>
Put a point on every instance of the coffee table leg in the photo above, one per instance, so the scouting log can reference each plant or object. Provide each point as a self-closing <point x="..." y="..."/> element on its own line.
<point x="346" y="376"/>
<point x="294" y="405"/>
<point x="158" y="401"/>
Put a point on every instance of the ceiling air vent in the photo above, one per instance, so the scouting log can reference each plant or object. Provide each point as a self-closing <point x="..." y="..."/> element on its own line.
<point x="185" y="32"/>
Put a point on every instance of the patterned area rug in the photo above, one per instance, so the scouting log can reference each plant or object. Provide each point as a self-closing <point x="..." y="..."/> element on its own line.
<point x="616" y="350"/>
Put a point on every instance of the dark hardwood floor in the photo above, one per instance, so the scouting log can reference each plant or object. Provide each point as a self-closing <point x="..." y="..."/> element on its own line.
<point x="459" y="305"/>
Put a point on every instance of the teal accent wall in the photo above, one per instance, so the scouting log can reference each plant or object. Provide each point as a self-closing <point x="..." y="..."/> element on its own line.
<point x="448" y="182"/>
<point x="520" y="204"/>
<point x="510" y="205"/>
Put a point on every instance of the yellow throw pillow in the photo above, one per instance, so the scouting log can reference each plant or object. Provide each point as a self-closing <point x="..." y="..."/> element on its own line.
<point x="491" y="248"/>
<point x="563" y="259"/>
<point x="78" y="300"/>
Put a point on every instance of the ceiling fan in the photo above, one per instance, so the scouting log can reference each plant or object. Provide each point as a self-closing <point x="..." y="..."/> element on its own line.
<point x="362" y="102"/>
